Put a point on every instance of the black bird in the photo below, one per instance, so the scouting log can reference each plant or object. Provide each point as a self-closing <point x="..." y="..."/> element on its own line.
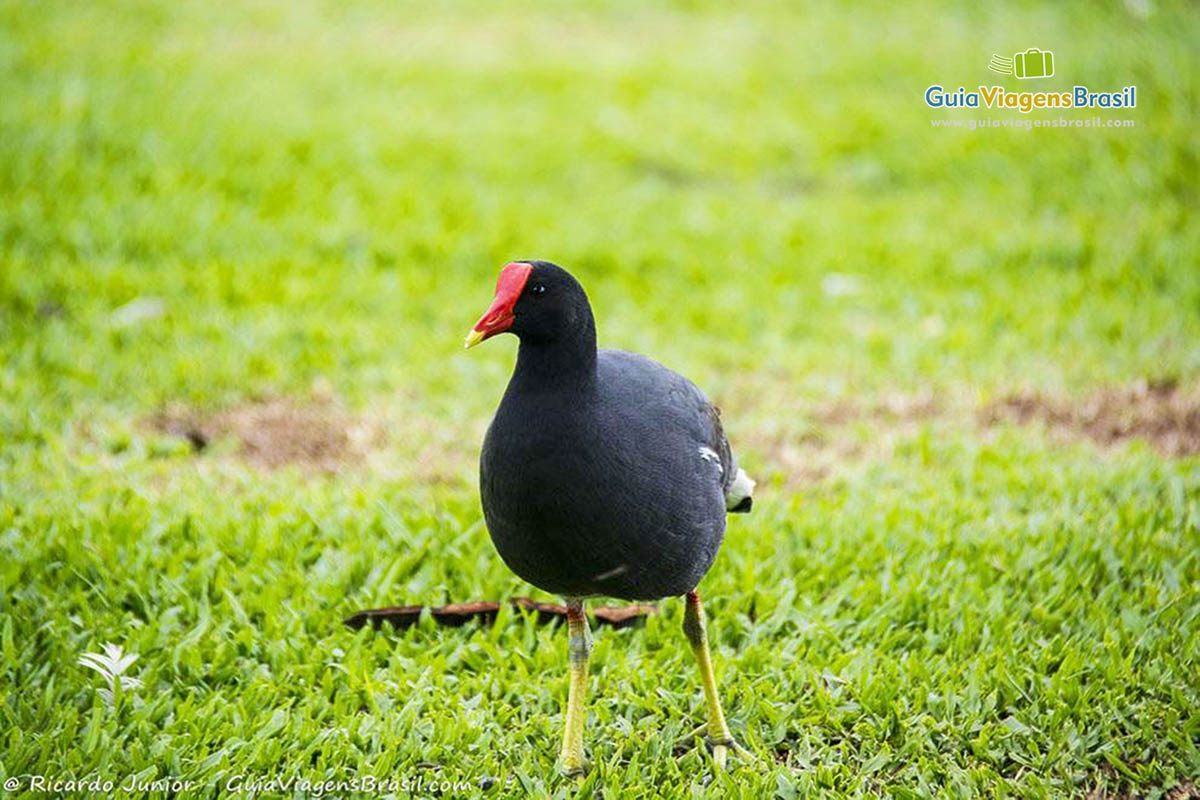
<point x="602" y="473"/>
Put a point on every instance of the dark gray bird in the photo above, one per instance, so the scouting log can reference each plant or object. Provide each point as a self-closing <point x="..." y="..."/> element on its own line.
<point x="602" y="473"/>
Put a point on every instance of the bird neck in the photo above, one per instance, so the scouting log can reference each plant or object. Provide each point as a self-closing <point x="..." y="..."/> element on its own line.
<point x="566" y="361"/>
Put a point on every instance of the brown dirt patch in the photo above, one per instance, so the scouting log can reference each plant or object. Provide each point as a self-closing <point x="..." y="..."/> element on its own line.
<point x="1163" y="414"/>
<point x="796" y="442"/>
<point x="893" y="408"/>
<point x="1184" y="791"/>
<point x="826" y="439"/>
<point x="277" y="432"/>
<point x="805" y="444"/>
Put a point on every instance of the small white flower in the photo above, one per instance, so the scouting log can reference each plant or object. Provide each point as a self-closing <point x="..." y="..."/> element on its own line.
<point x="112" y="664"/>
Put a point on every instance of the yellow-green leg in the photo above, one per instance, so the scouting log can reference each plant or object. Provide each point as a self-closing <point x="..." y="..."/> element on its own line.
<point x="719" y="737"/>
<point x="578" y="648"/>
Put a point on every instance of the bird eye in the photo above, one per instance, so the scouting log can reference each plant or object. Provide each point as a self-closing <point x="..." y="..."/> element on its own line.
<point x="538" y="288"/>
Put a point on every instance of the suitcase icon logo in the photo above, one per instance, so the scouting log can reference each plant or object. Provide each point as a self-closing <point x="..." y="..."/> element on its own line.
<point x="1033" y="63"/>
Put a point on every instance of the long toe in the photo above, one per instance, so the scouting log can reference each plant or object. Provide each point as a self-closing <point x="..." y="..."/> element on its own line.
<point x="722" y="749"/>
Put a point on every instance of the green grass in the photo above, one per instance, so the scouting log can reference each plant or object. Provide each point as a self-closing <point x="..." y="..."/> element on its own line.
<point x="319" y="196"/>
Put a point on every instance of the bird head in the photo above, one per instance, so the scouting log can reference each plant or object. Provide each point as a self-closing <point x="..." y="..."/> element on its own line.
<point x="538" y="301"/>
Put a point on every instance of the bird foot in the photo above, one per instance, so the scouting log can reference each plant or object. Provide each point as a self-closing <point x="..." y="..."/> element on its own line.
<point x="723" y="747"/>
<point x="576" y="772"/>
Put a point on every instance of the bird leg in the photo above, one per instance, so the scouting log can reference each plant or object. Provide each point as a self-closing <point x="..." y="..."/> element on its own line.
<point x="719" y="737"/>
<point x="578" y="649"/>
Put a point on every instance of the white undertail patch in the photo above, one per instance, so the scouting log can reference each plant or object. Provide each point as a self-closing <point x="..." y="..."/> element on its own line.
<point x="741" y="489"/>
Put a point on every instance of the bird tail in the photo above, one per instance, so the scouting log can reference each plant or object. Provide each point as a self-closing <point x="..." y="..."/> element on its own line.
<point x="739" y="497"/>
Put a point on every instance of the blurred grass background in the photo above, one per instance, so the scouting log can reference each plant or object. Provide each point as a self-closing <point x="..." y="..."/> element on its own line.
<point x="203" y="207"/>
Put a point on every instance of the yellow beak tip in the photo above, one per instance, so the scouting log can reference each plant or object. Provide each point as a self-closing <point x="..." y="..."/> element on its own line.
<point x="473" y="338"/>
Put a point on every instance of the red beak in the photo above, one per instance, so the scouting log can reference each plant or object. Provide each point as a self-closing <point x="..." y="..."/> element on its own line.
<point x="499" y="316"/>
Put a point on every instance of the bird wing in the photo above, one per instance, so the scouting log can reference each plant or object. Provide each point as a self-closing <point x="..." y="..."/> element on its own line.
<point x="700" y="418"/>
<point x="736" y="485"/>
